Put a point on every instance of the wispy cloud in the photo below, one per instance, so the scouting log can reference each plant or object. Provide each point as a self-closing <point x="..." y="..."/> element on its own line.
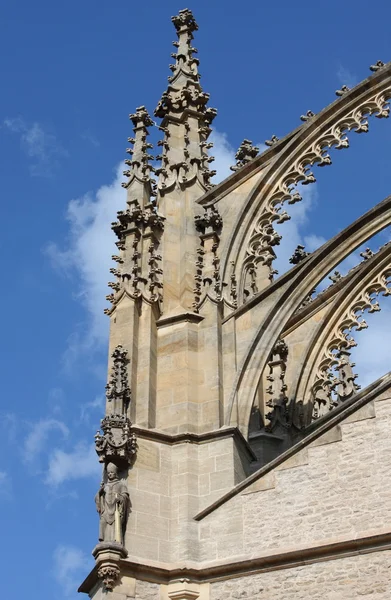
<point x="95" y="406"/>
<point x="37" y="438"/>
<point x="5" y="485"/>
<point x="89" y="137"/>
<point x="70" y="564"/>
<point x="79" y="463"/>
<point x="224" y="155"/>
<point x="41" y="147"/>
<point x="292" y="231"/>
<point x="346" y="77"/>
<point x="87" y="257"/>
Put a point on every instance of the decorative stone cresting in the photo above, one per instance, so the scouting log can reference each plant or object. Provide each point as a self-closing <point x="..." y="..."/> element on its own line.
<point x="263" y="237"/>
<point x="207" y="279"/>
<point x="334" y="372"/>
<point x="276" y="392"/>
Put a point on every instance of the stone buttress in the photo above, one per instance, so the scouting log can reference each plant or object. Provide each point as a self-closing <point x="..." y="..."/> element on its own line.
<point x="233" y="414"/>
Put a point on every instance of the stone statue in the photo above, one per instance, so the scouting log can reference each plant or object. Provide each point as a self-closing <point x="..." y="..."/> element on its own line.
<point x="112" y="503"/>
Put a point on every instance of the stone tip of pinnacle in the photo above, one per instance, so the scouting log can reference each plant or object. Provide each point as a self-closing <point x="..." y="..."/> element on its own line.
<point x="141" y="116"/>
<point x="184" y="20"/>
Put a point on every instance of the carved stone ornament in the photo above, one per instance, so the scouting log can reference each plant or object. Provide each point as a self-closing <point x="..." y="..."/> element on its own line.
<point x="117" y="389"/>
<point x="262" y="234"/>
<point x="298" y="255"/>
<point x="273" y="140"/>
<point x="277" y="389"/>
<point x="109" y="574"/>
<point x="344" y="90"/>
<point x="334" y="380"/>
<point x="245" y="153"/>
<point x="117" y="443"/>
<point x="186" y="117"/>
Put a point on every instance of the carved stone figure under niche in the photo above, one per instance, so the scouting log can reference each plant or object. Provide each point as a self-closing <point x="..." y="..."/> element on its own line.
<point x="113" y="504"/>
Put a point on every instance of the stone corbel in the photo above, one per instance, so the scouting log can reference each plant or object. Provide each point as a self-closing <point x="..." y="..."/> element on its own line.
<point x="107" y="557"/>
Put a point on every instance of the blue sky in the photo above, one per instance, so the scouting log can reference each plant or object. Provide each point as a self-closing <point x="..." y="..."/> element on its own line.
<point x="72" y="72"/>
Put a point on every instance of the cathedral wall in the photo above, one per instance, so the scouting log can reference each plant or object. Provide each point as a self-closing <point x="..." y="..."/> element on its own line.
<point x="362" y="576"/>
<point x="169" y="485"/>
<point x="336" y="489"/>
<point x="298" y="340"/>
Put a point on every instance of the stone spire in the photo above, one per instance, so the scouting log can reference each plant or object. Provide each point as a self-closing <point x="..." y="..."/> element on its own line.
<point x="186" y="118"/>
<point x="140" y="186"/>
<point x="137" y="228"/>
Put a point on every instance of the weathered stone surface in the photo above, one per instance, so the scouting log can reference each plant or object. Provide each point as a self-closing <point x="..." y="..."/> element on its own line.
<point x="233" y="410"/>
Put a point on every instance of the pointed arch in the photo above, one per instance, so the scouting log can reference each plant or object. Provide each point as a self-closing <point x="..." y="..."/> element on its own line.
<point x="289" y="291"/>
<point x="251" y="240"/>
<point x="344" y="316"/>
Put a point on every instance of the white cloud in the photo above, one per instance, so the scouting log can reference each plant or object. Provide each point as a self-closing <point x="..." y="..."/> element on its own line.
<point x="291" y="231"/>
<point x="80" y="463"/>
<point x="224" y="156"/>
<point x="96" y="405"/>
<point x="312" y="242"/>
<point x="70" y="566"/>
<point x="36" y="440"/>
<point x="42" y="147"/>
<point x="373" y="350"/>
<point x="88" y="256"/>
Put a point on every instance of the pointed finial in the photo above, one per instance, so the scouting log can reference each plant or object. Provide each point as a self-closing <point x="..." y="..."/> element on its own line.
<point x="344" y="89"/>
<point x="378" y="65"/>
<point x="336" y="276"/>
<point x="298" y="255"/>
<point x="245" y="153"/>
<point x="183" y="108"/>
<point x="185" y="20"/>
<point x="308" y="115"/>
<point x="367" y="254"/>
<point x="273" y="140"/>
<point x="139" y="166"/>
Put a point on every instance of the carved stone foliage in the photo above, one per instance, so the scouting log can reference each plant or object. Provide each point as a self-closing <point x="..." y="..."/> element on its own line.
<point x="139" y="271"/>
<point x="117" y="443"/>
<point x="186" y="117"/>
<point x="263" y="237"/>
<point x="273" y="140"/>
<point x="245" y="153"/>
<point x="139" y="168"/>
<point x="298" y="255"/>
<point x="109" y="574"/>
<point x="334" y="380"/>
<point x="139" y="227"/>
<point x="276" y="391"/>
<point x="207" y="278"/>
<point x="117" y="389"/>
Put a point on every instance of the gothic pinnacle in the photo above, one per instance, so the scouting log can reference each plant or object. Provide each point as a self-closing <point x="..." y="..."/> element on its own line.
<point x="186" y="117"/>
<point x="139" y="185"/>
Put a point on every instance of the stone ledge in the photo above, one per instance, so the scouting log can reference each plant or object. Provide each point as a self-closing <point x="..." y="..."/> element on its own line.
<point x="172" y="439"/>
<point x="204" y="573"/>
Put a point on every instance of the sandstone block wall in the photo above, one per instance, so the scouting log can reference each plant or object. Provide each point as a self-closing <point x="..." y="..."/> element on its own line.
<point x="365" y="577"/>
<point x="337" y="488"/>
